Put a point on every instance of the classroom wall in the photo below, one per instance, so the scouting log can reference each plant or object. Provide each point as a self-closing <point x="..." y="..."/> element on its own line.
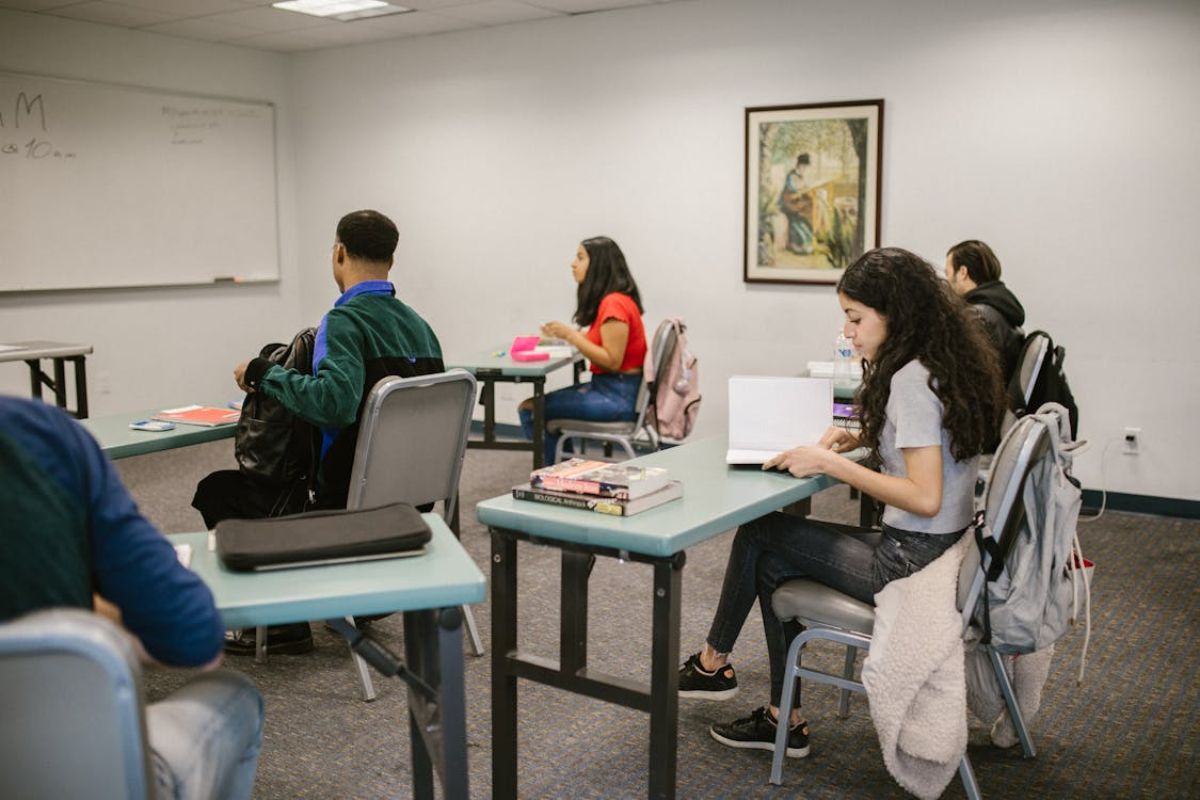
<point x="161" y="346"/>
<point x="1060" y="132"/>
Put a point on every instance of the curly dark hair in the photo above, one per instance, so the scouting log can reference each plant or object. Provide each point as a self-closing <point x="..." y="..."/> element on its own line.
<point x="607" y="272"/>
<point x="926" y="321"/>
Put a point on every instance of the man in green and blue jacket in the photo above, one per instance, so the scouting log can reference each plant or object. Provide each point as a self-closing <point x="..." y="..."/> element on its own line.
<point x="369" y="334"/>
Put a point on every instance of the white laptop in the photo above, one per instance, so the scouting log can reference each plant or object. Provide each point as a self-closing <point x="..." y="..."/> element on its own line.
<point x="770" y="415"/>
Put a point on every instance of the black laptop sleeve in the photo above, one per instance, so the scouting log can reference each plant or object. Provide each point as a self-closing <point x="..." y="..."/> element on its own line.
<point x="247" y="544"/>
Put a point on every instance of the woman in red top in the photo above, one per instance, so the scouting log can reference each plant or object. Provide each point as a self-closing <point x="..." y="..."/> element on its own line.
<point x="609" y="304"/>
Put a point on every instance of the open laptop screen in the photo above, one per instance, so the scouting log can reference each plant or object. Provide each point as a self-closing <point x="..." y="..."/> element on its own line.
<point x="769" y="415"/>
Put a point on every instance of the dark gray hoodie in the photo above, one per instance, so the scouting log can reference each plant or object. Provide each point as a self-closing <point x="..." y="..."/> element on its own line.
<point x="1002" y="315"/>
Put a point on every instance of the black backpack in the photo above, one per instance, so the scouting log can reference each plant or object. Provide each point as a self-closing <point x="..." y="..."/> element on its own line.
<point x="1050" y="384"/>
<point x="276" y="449"/>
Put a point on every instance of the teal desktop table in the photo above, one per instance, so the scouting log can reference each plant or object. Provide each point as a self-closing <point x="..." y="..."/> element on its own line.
<point x="428" y="589"/>
<point x="716" y="498"/>
<point x="117" y="440"/>
<point x="496" y="366"/>
<point x="58" y="353"/>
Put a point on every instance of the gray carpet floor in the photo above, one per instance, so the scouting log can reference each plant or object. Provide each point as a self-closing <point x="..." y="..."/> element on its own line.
<point x="1130" y="730"/>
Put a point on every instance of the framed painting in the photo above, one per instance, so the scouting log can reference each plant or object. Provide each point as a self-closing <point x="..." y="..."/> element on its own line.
<point x="812" y="189"/>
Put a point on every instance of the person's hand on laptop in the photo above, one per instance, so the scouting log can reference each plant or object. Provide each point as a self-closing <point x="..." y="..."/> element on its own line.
<point x="801" y="461"/>
<point x="813" y="459"/>
<point x="839" y="440"/>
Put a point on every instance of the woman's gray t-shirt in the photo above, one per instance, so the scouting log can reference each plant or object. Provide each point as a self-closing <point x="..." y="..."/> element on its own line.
<point x="914" y="419"/>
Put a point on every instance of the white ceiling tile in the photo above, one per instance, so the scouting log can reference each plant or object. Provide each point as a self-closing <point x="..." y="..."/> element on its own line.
<point x="269" y="20"/>
<point x="417" y="23"/>
<point x="207" y="28"/>
<point x="431" y="5"/>
<point x="36" y="5"/>
<point x="187" y="8"/>
<point x="497" y="12"/>
<point x="112" y="14"/>
<point x="587" y="6"/>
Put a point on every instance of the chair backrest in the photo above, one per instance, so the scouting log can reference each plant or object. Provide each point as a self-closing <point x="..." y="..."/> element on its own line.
<point x="70" y="690"/>
<point x="1033" y="357"/>
<point x="661" y="347"/>
<point x="1002" y="506"/>
<point x="412" y="440"/>
<point x="1029" y="366"/>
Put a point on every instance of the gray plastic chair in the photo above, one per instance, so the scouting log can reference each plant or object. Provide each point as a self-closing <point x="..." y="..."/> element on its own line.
<point x="74" y="726"/>
<point x="622" y="434"/>
<point x="830" y="615"/>
<point x="411" y="443"/>
<point x="1033" y="358"/>
<point x="412" y="438"/>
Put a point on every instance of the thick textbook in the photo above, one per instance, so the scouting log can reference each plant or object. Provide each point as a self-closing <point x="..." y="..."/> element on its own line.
<point x="601" y="505"/>
<point x="199" y="415"/>
<point x="622" y="481"/>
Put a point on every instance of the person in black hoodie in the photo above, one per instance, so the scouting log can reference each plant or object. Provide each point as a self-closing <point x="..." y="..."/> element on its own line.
<point x="973" y="272"/>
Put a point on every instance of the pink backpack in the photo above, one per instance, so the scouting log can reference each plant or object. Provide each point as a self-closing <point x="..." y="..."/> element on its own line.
<point x="675" y="391"/>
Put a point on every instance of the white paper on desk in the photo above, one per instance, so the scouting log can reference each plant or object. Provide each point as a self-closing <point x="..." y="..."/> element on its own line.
<point x="769" y="415"/>
<point x="556" y="351"/>
<point x="184" y="552"/>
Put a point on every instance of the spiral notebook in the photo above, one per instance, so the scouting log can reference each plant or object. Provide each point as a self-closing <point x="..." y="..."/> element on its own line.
<point x="769" y="415"/>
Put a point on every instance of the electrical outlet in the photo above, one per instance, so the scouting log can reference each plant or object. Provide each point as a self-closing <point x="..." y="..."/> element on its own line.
<point x="1133" y="438"/>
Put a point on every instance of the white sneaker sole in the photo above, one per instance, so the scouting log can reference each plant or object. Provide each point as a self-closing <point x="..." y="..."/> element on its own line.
<point x="791" y="752"/>
<point x="704" y="694"/>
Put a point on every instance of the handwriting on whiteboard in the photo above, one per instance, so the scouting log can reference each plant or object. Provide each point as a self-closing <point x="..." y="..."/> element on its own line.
<point x="191" y="125"/>
<point x="24" y="112"/>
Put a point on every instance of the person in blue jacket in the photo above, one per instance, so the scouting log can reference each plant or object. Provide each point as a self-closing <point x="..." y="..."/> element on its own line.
<point x="71" y="536"/>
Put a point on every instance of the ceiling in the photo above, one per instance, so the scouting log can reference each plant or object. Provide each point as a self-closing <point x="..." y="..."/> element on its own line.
<point x="254" y="23"/>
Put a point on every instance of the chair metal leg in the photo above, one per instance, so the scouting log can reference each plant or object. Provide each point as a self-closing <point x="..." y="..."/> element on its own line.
<point x="365" y="686"/>
<point x="260" y="644"/>
<point x="790" y="674"/>
<point x="1010" y="701"/>
<point x="967" y="774"/>
<point x="472" y="631"/>
<point x="848" y="674"/>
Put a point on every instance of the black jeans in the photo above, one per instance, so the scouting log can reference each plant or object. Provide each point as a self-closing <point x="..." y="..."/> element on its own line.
<point x="776" y="548"/>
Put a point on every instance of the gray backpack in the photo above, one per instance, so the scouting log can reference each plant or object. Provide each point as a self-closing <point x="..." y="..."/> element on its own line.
<point x="1038" y="581"/>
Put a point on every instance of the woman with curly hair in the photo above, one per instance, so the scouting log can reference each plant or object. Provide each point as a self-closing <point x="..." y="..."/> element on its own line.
<point x="930" y="403"/>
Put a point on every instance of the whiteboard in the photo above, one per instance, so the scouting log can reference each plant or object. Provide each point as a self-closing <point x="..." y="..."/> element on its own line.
<point x="108" y="186"/>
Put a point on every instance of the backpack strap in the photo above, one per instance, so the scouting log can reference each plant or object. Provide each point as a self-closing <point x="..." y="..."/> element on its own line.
<point x="989" y="549"/>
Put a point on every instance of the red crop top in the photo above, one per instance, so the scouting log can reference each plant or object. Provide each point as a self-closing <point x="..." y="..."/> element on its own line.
<point x="617" y="305"/>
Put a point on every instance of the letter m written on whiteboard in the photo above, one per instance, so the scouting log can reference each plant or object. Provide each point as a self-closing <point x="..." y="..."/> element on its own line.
<point x="23" y="109"/>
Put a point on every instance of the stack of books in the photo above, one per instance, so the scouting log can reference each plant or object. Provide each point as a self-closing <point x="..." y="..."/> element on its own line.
<point x="618" y="489"/>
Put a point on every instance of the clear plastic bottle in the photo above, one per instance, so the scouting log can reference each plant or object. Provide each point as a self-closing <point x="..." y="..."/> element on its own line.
<point x="843" y="361"/>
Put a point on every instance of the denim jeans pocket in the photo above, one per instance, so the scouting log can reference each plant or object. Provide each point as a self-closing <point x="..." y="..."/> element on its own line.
<point x="891" y="563"/>
<point x="901" y="553"/>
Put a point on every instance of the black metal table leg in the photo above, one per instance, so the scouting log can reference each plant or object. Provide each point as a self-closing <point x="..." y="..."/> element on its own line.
<point x="539" y="423"/>
<point x="573" y="597"/>
<point x="664" y="678"/>
<point x="504" y="680"/>
<point x="81" y="396"/>
<point x="489" y="410"/>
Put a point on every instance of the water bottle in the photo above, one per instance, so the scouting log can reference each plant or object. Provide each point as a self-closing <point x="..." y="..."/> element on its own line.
<point x="843" y="361"/>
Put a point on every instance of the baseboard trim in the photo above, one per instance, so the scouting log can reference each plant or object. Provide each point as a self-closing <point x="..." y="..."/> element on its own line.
<point x="1142" y="504"/>
<point x="503" y="430"/>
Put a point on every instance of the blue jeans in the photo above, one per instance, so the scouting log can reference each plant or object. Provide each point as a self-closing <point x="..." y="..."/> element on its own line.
<point x="205" y="738"/>
<point x="609" y="397"/>
<point x="776" y="548"/>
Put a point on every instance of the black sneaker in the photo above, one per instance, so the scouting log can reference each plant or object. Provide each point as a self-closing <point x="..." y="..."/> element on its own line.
<point x="757" y="732"/>
<point x="697" y="684"/>
<point x="287" y="640"/>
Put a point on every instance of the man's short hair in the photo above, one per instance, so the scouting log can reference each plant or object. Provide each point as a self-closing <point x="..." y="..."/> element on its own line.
<point x="981" y="263"/>
<point x="368" y="235"/>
